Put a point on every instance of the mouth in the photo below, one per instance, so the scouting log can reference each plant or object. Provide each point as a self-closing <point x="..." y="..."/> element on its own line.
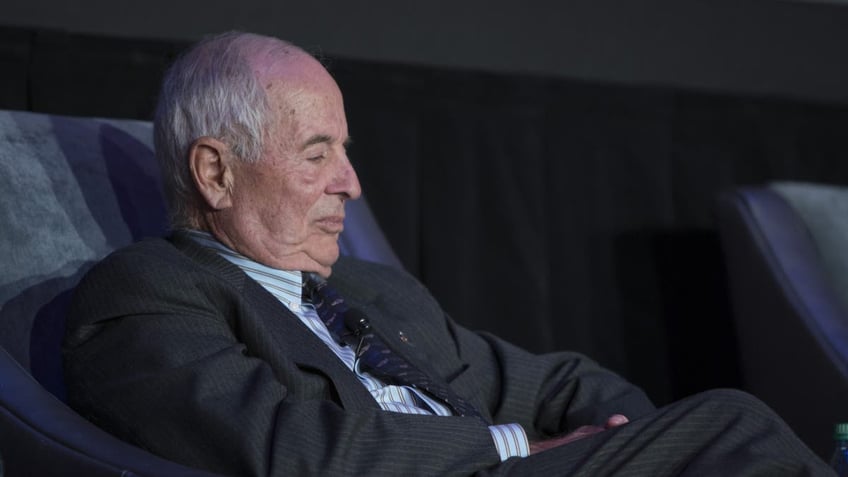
<point x="333" y="224"/>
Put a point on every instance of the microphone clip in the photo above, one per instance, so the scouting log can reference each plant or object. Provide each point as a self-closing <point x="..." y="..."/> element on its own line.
<point x="359" y="325"/>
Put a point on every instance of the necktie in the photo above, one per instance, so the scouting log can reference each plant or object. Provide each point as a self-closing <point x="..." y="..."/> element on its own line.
<point x="372" y="352"/>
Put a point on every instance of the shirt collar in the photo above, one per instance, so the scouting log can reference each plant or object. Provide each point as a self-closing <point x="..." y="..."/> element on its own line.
<point x="286" y="285"/>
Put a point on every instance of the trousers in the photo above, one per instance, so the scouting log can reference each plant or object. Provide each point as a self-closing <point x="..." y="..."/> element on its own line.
<point x="715" y="433"/>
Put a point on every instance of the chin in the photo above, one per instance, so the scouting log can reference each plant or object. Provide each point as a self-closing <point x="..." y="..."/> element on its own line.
<point x="327" y="256"/>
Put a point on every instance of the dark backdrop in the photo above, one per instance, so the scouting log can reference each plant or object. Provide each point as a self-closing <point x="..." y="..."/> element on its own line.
<point x="556" y="213"/>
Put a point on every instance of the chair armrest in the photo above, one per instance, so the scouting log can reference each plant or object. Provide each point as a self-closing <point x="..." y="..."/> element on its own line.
<point x="40" y="435"/>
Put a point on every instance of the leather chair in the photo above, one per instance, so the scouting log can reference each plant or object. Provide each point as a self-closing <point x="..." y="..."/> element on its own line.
<point x="786" y="251"/>
<point x="71" y="191"/>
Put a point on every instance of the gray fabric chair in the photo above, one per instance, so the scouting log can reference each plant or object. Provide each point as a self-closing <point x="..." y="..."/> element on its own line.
<point x="72" y="190"/>
<point x="786" y="251"/>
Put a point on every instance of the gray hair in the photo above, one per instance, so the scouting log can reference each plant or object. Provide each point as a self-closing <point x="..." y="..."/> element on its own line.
<point x="211" y="90"/>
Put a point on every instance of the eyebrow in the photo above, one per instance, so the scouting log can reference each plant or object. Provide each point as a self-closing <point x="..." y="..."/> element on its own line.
<point x="323" y="139"/>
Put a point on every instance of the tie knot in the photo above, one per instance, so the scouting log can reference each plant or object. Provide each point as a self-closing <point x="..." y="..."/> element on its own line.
<point x="312" y="283"/>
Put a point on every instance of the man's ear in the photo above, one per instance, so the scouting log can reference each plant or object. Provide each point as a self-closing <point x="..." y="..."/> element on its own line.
<point x="211" y="170"/>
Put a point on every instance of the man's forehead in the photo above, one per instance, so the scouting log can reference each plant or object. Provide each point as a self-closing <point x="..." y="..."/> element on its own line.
<point x="294" y="85"/>
<point x="287" y="66"/>
<point x="307" y="116"/>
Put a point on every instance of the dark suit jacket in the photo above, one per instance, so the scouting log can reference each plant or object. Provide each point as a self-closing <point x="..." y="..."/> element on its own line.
<point x="175" y="349"/>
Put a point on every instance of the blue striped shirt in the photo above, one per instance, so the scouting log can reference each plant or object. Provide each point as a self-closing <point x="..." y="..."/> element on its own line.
<point x="286" y="285"/>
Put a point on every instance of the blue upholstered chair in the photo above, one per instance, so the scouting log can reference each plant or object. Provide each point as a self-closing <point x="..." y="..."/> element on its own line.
<point x="71" y="191"/>
<point x="786" y="250"/>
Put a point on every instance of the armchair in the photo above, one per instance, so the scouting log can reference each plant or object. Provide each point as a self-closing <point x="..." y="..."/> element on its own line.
<point x="73" y="190"/>
<point x="786" y="250"/>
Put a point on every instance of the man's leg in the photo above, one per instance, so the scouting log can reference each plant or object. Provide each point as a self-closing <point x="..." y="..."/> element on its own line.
<point x="722" y="433"/>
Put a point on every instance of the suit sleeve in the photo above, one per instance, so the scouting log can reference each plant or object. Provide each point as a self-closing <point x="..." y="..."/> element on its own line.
<point x="547" y="394"/>
<point x="158" y="363"/>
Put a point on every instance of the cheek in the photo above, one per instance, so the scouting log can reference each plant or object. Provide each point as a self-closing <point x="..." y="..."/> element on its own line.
<point x="288" y="201"/>
<point x="296" y="211"/>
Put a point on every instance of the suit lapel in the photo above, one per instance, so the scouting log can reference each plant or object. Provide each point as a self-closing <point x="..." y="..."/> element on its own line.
<point x="386" y="328"/>
<point x="288" y="337"/>
<point x="300" y="345"/>
<point x="373" y="304"/>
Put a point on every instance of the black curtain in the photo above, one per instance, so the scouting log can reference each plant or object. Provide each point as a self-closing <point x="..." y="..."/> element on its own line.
<point x="555" y="213"/>
<point x="567" y="215"/>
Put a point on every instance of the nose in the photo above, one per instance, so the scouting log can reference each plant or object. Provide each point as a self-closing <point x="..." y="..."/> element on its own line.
<point x="345" y="180"/>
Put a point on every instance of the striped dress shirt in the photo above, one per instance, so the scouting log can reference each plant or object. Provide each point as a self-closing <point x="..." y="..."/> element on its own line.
<point x="287" y="286"/>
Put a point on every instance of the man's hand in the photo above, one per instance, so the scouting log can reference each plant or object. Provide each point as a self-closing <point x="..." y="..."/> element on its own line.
<point x="613" y="421"/>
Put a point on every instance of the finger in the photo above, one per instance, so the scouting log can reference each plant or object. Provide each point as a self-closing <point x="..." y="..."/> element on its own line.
<point x="580" y="433"/>
<point x="616" y="420"/>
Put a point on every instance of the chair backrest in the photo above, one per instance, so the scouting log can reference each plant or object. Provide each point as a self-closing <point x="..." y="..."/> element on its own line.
<point x="71" y="191"/>
<point x="786" y="251"/>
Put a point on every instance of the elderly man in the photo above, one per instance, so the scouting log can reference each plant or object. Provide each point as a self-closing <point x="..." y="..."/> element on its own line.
<point x="244" y="345"/>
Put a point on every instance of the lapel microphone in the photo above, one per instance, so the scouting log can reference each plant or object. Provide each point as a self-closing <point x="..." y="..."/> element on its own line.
<point x="358" y="323"/>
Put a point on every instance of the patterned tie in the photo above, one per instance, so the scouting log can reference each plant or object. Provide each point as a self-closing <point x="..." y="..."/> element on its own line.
<point x="372" y="352"/>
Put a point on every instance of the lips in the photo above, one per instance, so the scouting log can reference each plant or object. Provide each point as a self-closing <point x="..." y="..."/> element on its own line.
<point x="331" y="224"/>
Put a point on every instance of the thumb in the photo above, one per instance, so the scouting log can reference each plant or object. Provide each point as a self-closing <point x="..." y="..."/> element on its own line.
<point x="616" y="420"/>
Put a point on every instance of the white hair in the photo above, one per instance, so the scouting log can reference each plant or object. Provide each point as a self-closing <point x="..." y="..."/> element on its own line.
<point x="211" y="90"/>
